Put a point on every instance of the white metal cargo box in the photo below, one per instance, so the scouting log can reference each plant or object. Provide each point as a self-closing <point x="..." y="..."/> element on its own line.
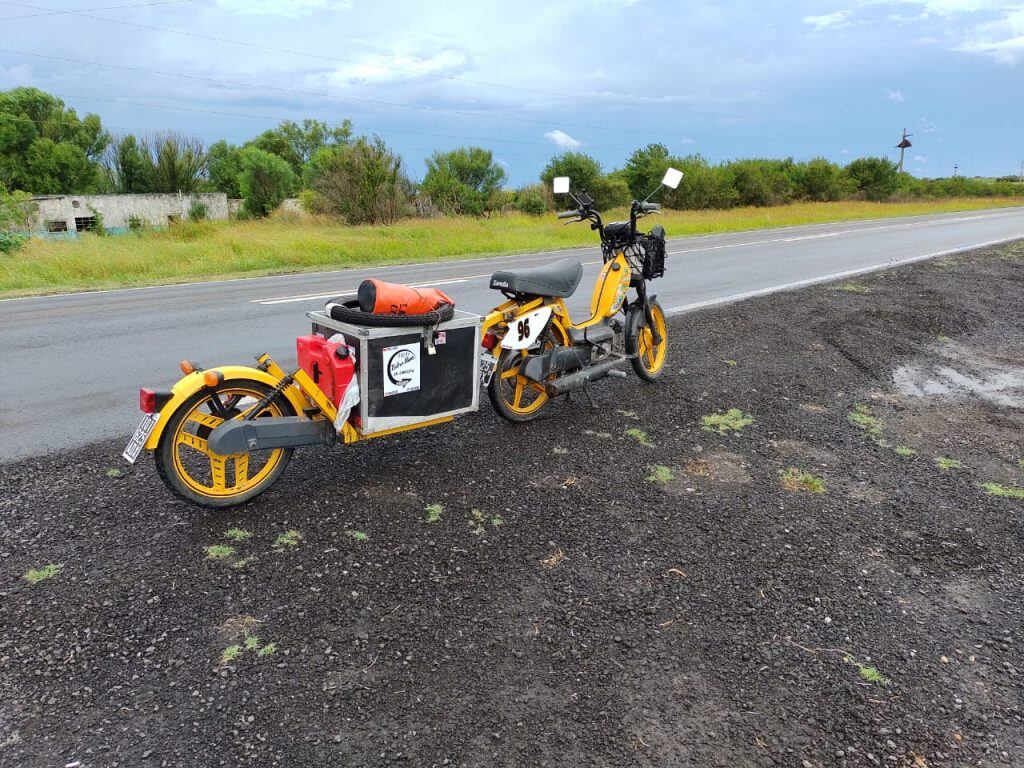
<point x="411" y="375"/>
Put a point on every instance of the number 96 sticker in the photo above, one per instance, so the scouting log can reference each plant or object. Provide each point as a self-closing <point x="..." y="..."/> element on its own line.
<point x="524" y="330"/>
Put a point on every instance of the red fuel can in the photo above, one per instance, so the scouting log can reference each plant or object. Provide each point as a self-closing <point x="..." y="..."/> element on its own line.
<point x="328" y="363"/>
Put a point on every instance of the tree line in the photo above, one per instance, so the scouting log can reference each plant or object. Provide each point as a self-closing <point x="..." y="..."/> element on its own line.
<point x="46" y="148"/>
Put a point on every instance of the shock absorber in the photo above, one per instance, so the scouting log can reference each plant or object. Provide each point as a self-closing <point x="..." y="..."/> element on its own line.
<point x="268" y="398"/>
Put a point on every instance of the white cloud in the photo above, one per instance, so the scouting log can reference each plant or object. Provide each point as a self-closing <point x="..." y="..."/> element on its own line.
<point x="400" y="66"/>
<point x="1002" y="40"/>
<point x="896" y="95"/>
<point x="563" y="140"/>
<point x="920" y="159"/>
<point x="828" y="20"/>
<point x="687" y="141"/>
<point x="927" y="126"/>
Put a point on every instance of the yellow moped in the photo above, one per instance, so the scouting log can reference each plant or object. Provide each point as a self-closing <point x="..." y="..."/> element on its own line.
<point x="222" y="435"/>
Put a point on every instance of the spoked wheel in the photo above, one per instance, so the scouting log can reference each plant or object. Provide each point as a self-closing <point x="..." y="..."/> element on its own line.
<point x="194" y="472"/>
<point x="514" y="396"/>
<point x="650" y="360"/>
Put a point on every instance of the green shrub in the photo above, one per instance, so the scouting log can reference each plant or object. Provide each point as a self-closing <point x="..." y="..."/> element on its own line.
<point x="876" y="178"/>
<point x="531" y="201"/>
<point x="463" y="181"/>
<point x="821" y="180"/>
<point x="702" y="186"/>
<point x="11" y="241"/>
<point x="264" y="182"/>
<point x="198" y="211"/>
<point x="362" y="182"/>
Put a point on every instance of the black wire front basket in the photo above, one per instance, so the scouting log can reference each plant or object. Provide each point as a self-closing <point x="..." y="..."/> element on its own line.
<point x="653" y="247"/>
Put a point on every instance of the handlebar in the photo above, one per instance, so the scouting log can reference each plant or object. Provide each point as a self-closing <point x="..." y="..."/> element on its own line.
<point x="649" y="207"/>
<point x="568" y="214"/>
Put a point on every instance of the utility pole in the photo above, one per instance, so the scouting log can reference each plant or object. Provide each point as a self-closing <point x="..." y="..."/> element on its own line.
<point x="1021" y="177"/>
<point x="903" y="146"/>
<point x="956" y="168"/>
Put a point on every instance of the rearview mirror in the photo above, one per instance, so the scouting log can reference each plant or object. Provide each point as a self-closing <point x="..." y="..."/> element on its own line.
<point x="561" y="185"/>
<point x="672" y="178"/>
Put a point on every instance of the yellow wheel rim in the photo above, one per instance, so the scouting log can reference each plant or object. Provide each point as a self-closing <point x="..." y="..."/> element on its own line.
<point x="211" y="474"/>
<point x="521" y="395"/>
<point x="652" y="356"/>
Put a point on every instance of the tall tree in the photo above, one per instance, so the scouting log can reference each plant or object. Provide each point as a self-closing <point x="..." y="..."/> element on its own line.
<point x="297" y="144"/>
<point x="45" y="148"/>
<point x="128" y="165"/>
<point x="178" y="162"/>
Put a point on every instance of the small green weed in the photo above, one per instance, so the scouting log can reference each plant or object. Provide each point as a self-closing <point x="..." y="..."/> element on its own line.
<point x="479" y="521"/>
<point x="730" y="363"/>
<point x="35" y="575"/>
<point x="287" y="540"/>
<point x="904" y="451"/>
<point x="237" y="534"/>
<point x="628" y="414"/>
<point x="869" y="673"/>
<point x="252" y="642"/>
<point x="943" y="338"/>
<point x="851" y="287"/>
<point x="995" y="489"/>
<point x="267" y="650"/>
<point x="357" y="535"/>
<point x="944" y="462"/>
<point x="1020" y="463"/>
<point x="219" y="552"/>
<point x="114" y="472"/>
<point x="640" y="436"/>
<point x="795" y="480"/>
<point x="660" y="474"/>
<point x="230" y="653"/>
<point x="733" y="420"/>
<point x="560" y="451"/>
<point x="238" y="565"/>
<point x="434" y="513"/>
<point x="862" y="418"/>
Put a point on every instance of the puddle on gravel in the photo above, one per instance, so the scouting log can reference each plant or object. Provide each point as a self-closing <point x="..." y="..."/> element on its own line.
<point x="962" y="372"/>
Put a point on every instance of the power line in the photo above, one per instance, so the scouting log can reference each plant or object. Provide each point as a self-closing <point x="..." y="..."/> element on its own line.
<point x="322" y="95"/>
<point x="81" y="10"/>
<point x="279" y="118"/>
<point x="323" y="57"/>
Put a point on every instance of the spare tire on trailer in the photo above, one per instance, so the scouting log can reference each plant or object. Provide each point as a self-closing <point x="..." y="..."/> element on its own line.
<point x="349" y="312"/>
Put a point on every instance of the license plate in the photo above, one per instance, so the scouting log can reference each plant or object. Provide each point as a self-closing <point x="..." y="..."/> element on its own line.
<point x="142" y="432"/>
<point x="487" y="363"/>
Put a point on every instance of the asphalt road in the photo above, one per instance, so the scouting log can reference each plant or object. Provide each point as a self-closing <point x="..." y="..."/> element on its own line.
<point x="72" y="364"/>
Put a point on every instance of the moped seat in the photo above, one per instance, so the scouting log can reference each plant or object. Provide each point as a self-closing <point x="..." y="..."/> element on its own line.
<point x="559" y="279"/>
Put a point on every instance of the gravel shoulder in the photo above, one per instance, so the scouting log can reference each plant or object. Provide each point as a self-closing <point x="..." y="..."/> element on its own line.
<point x="837" y="583"/>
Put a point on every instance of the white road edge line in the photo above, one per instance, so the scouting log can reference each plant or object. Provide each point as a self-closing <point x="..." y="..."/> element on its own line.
<point x="736" y="297"/>
<point x="819" y="235"/>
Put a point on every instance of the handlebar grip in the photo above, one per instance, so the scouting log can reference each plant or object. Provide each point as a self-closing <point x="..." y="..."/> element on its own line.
<point x="568" y="214"/>
<point x="650" y="207"/>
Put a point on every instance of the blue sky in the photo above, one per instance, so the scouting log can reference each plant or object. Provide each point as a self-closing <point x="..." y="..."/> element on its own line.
<point x="727" y="79"/>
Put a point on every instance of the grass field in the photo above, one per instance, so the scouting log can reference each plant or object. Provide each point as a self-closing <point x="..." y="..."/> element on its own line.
<point x="293" y="243"/>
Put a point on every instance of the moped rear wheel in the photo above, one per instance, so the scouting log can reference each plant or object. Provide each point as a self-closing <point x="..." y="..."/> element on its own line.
<point x="194" y="472"/>
<point x="514" y="396"/>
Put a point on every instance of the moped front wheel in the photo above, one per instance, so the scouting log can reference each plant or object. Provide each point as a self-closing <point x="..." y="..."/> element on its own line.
<point x="649" y="362"/>
<point x="196" y="474"/>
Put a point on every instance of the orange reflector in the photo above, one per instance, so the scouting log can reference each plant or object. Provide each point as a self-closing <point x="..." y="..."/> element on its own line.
<point x="186" y="367"/>
<point x="213" y="378"/>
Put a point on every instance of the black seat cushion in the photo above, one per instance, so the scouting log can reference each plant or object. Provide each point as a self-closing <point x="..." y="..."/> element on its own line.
<point x="559" y="278"/>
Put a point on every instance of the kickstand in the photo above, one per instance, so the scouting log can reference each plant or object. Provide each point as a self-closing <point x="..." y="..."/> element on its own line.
<point x="586" y="391"/>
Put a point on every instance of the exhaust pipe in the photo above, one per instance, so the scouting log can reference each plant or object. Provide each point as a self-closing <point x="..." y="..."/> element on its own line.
<point x="264" y="434"/>
<point x="576" y="380"/>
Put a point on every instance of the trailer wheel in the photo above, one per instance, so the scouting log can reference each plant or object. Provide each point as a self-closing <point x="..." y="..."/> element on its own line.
<point x="196" y="474"/>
